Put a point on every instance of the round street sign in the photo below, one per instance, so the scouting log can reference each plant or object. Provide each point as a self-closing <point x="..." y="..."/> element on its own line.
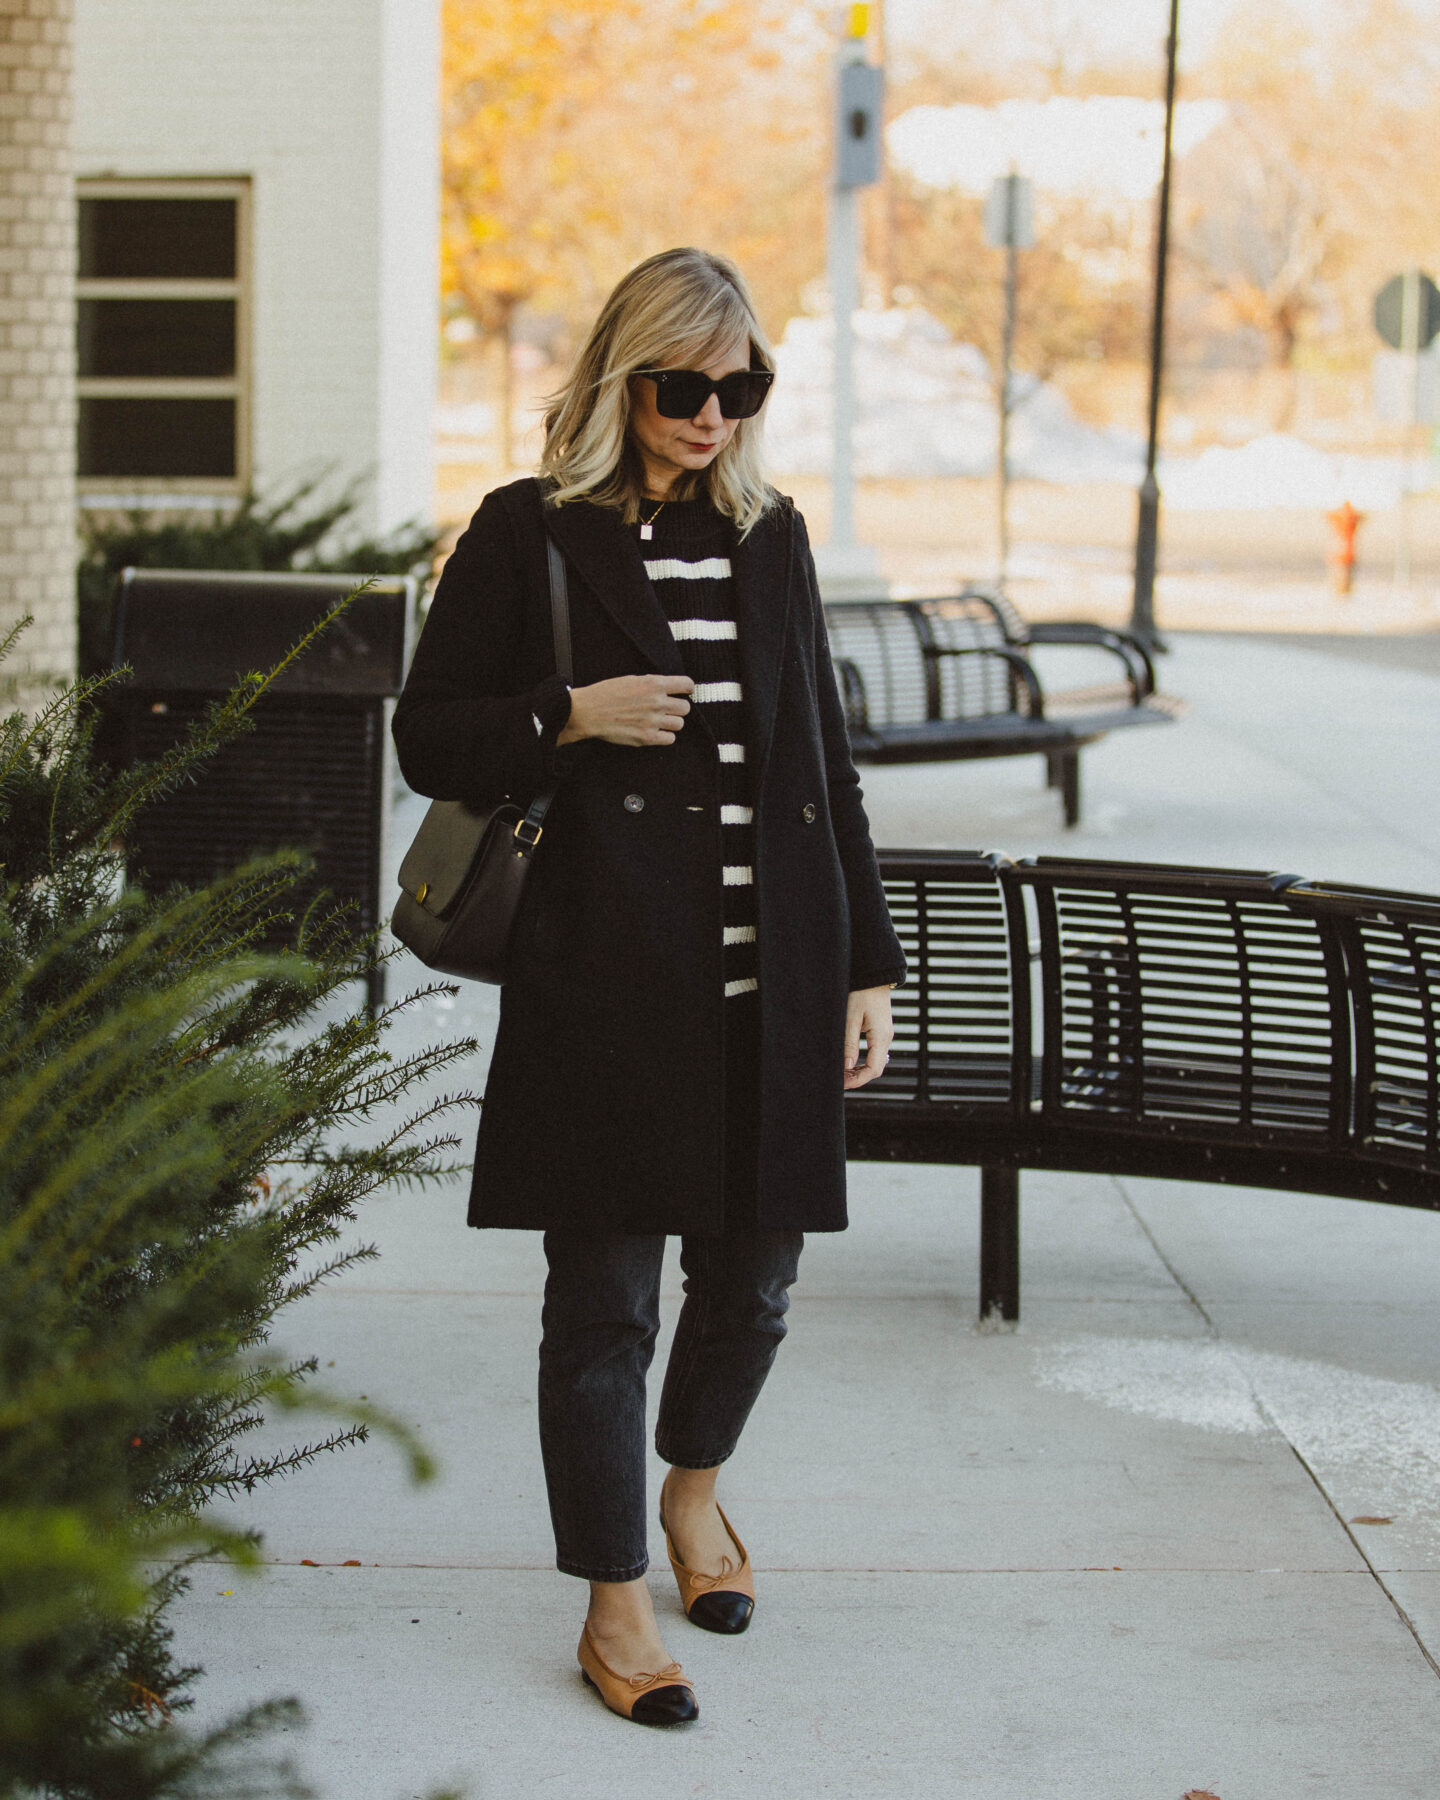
<point x="1390" y="309"/>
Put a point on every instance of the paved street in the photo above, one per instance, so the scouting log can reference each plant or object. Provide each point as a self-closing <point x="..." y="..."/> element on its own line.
<point x="1111" y="1555"/>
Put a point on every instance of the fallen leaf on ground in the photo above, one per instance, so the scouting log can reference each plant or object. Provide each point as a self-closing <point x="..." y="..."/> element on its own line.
<point x="150" y="1700"/>
<point x="351" y="1562"/>
<point x="1371" y="1519"/>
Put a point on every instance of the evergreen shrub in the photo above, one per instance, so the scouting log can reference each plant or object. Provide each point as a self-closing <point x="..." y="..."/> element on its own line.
<point x="186" y="1126"/>
<point x="288" y="533"/>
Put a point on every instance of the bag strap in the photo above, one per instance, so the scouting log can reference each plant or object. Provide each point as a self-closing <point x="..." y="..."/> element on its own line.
<point x="527" y="832"/>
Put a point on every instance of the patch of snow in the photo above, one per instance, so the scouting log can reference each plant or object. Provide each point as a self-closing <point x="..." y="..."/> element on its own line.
<point x="1278" y="470"/>
<point x="1175" y="1379"/>
<point x="924" y="406"/>
<point x="476" y="419"/>
<point x="465" y="433"/>
<point x="1107" y="145"/>
<point x="1374" y="1443"/>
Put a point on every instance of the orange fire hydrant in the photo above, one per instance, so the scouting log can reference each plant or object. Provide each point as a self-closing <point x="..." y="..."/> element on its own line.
<point x="1345" y="522"/>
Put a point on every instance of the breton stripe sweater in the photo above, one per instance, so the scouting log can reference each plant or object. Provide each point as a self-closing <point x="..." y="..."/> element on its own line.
<point x="687" y="558"/>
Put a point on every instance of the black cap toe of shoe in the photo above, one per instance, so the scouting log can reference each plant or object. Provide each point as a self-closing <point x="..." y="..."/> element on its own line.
<point x="666" y="1706"/>
<point x="727" y="1613"/>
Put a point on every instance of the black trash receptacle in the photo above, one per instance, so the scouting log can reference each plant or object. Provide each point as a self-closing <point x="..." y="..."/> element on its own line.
<point x="314" y="774"/>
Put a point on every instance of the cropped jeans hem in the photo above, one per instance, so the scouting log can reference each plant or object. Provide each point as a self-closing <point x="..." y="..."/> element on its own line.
<point x="682" y="1462"/>
<point x="631" y="1574"/>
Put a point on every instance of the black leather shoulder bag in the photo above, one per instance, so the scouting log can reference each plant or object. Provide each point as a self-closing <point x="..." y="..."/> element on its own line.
<point x="463" y="876"/>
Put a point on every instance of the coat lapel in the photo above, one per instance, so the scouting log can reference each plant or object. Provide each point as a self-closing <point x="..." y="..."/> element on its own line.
<point x="762" y="566"/>
<point x="607" y="559"/>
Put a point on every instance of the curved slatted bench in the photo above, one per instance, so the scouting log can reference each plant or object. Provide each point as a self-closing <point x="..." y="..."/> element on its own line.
<point x="953" y="679"/>
<point x="1130" y="1019"/>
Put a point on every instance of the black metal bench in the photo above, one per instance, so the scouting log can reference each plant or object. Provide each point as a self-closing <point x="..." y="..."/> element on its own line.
<point x="1198" y="1024"/>
<point x="954" y="678"/>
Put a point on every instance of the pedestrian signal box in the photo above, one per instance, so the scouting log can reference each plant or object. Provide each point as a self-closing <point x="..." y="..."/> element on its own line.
<point x="861" y="96"/>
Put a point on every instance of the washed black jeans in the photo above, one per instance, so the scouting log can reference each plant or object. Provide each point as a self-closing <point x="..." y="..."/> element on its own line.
<point x="600" y="1320"/>
<point x="602" y="1312"/>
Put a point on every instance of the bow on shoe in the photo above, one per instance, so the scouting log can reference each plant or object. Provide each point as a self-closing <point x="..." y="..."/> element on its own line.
<point x="642" y="1680"/>
<point x="702" y="1584"/>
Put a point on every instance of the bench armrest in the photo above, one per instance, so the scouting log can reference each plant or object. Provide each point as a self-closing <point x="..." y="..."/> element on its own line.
<point x="1020" y="666"/>
<point x="852" y="695"/>
<point x="1005" y="618"/>
<point x="1138" y="666"/>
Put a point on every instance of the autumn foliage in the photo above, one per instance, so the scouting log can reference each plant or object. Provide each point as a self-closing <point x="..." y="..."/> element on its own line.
<point x="578" y="139"/>
<point x="581" y="137"/>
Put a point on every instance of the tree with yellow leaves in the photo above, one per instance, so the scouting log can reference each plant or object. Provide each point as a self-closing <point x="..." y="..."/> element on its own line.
<point x="1316" y="187"/>
<point x="580" y="138"/>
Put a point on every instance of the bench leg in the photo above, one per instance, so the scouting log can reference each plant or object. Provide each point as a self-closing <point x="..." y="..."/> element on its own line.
<point x="999" y="1248"/>
<point x="1069" y="785"/>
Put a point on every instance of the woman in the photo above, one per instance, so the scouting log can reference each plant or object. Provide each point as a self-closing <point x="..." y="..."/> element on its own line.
<point x="703" y="943"/>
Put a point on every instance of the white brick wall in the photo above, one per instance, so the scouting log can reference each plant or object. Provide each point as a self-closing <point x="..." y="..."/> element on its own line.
<point x="37" y="342"/>
<point x="331" y="108"/>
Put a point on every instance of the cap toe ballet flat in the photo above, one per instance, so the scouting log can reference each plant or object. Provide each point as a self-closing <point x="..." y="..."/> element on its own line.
<point x="664" y="1698"/>
<point x="722" y="1602"/>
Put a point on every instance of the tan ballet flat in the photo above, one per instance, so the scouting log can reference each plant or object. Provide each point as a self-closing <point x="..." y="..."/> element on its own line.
<point x="664" y="1698"/>
<point x="722" y="1602"/>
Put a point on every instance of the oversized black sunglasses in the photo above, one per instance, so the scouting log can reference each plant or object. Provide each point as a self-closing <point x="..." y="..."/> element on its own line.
<point x="681" y="393"/>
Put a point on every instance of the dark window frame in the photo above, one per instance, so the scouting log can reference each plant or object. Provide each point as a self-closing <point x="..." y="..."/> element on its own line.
<point x="107" y="489"/>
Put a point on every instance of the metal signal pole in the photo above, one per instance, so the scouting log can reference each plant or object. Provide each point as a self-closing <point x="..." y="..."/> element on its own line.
<point x="1147" y="536"/>
<point x="847" y="568"/>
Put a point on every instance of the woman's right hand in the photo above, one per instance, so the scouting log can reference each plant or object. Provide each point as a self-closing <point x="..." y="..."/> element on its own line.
<point x="631" y="709"/>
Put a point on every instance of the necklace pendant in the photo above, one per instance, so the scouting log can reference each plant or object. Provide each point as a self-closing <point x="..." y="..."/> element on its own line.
<point x="647" y="532"/>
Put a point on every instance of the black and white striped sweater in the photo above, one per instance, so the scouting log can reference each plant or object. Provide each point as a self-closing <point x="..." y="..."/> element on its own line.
<point x="687" y="557"/>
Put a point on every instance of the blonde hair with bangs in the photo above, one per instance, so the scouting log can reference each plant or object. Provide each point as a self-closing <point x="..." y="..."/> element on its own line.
<point x="680" y="309"/>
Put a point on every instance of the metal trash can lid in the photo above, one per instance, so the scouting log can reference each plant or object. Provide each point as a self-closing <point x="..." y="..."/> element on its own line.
<point x="200" y="631"/>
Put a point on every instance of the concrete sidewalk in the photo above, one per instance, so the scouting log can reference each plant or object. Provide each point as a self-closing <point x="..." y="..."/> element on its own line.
<point x="1112" y="1554"/>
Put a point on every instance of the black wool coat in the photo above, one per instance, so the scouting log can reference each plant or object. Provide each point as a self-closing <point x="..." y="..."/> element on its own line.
<point x="604" y="1104"/>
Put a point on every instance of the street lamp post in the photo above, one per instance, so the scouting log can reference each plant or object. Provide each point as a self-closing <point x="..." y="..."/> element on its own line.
<point x="1147" y="535"/>
<point x="843" y="271"/>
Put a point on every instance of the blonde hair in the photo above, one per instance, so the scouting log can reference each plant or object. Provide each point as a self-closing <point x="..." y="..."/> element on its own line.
<point x="680" y="309"/>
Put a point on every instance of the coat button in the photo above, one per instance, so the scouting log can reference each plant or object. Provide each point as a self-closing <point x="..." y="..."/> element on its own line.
<point x="634" y="803"/>
<point x="807" y="813"/>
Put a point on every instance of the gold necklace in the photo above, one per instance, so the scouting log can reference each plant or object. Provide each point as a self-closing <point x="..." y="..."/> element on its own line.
<point x="647" y="526"/>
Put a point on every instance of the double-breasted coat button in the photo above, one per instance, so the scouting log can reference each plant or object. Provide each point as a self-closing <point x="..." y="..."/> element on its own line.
<point x="807" y="813"/>
<point x="634" y="803"/>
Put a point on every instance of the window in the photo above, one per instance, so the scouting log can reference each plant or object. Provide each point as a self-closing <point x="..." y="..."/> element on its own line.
<point x="162" y="345"/>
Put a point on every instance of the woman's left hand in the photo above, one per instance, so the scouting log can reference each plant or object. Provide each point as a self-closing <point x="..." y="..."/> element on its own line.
<point x="867" y="1014"/>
